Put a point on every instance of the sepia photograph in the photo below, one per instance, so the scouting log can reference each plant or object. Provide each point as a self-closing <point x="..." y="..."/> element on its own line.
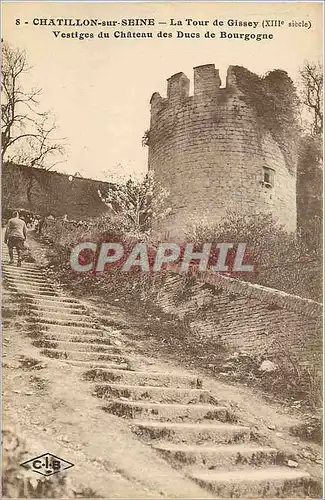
<point x="162" y="249"/>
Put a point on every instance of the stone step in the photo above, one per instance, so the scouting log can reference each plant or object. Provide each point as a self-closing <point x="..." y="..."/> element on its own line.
<point x="84" y="356"/>
<point x="144" y="378"/>
<point x="14" y="270"/>
<point x="64" y="322"/>
<point x="60" y="301"/>
<point x="271" y="482"/>
<point x="48" y="289"/>
<point x="20" y="270"/>
<point x="66" y="311"/>
<point x="23" y="285"/>
<point x="221" y="457"/>
<point x="30" y="266"/>
<point x="64" y="307"/>
<point x="167" y="412"/>
<point x="31" y="293"/>
<point x="68" y="329"/>
<point x="23" y="273"/>
<point x="75" y="346"/>
<point x="56" y="299"/>
<point x="66" y="337"/>
<point x="63" y="317"/>
<point x="192" y="433"/>
<point x="96" y="365"/>
<point x="19" y="273"/>
<point x="152" y="393"/>
<point x="27" y="280"/>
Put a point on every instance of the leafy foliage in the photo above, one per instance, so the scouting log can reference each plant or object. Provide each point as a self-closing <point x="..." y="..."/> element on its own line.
<point x="280" y="260"/>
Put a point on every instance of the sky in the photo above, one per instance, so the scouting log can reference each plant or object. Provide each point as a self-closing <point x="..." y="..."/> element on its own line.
<point x="99" y="89"/>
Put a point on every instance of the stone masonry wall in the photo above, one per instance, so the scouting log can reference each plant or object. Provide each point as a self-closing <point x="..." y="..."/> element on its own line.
<point x="43" y="193"/>
<point x="246" y="317"/>
<point x="209" y="150"/>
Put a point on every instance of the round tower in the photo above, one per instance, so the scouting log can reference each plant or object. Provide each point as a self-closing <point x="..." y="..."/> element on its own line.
<point x="224" y="149"/>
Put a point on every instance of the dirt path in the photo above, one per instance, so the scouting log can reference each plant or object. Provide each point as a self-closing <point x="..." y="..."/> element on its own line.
<point x="214" y="437"/>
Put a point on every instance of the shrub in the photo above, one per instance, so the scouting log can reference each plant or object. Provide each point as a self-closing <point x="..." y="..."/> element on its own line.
<point x="63" y="236"/>
<point x="281" y="260"/>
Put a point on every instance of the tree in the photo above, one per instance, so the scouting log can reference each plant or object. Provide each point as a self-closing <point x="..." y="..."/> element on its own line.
<point x="141" y="203"/>
<point x="311" y="79"/>
<point x="27" y="135"/>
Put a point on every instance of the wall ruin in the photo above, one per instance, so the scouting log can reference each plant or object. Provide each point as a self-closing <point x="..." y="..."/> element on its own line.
<point x="246" y="317"/>
<point x="51" y="193"/>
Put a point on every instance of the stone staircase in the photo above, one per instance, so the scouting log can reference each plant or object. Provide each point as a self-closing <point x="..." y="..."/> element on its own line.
<point x="171" y="412"/>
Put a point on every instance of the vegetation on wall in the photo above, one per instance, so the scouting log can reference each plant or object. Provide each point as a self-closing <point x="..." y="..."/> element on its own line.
<point x="276" y="106"/>
<point x="281" y="260"/>
<point x="310" y="191"/>
<point x="310" y="159"/>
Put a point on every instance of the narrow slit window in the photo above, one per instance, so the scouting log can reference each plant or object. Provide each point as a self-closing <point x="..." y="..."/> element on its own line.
<point x="268" y="177"/>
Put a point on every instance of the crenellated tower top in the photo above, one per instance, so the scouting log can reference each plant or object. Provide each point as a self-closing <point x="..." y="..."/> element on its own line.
<point x="225" y="148"/>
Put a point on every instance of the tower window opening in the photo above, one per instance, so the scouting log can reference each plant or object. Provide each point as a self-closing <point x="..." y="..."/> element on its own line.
<point x="268" y="177"/>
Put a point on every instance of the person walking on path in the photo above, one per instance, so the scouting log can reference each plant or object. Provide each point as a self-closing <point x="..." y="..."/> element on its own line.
<point x="15" y="237"/>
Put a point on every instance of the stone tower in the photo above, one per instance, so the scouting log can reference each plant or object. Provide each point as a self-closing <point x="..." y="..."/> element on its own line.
<point x="225" y="149"/>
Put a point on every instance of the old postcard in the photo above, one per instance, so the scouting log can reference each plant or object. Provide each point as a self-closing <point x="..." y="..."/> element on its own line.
<point x="162" y="193"/>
